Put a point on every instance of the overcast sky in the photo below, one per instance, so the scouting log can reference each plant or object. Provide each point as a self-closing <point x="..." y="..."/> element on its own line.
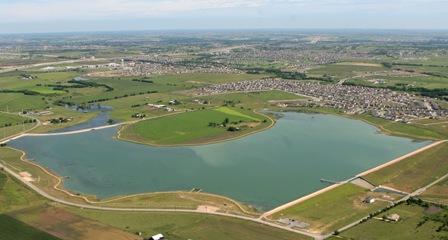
<point x="110" y="15"/>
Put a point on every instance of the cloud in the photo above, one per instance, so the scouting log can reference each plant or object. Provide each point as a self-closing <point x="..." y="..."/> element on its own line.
<point x="93" y="9"/>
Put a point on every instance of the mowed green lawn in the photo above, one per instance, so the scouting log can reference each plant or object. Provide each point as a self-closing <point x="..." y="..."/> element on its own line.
<point x="181" y="226"/>
<point x="332" y="210"/>
<point x="12" y="229"/>
<point x="192" y="127"/>
<point x="406" y="229"/>
<point x="414" y="172"/>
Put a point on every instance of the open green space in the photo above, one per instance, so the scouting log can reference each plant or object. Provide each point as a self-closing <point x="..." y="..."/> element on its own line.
<point x="414" y="172"/>
<point x="331" y="210"/>
<point x="179" y="226"/>
<point x="15" y="196"/>
<point x="437" y="193"/>
<point x="12" y="229"/>
<point x="195" y="127"/>
<point x="345" y="70"/>
<point x="412" y="225"/>
<point x="424" y="81"/>
<point x="7" y="119"/>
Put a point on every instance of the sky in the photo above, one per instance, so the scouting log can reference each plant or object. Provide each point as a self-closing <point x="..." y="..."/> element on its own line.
<point x="22" y="16"/>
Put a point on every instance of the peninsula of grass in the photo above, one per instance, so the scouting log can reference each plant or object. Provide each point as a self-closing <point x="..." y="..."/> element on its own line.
<point x="331" y="210"/>
<point x="196" y="127"/>
<point x="414" y="172"/>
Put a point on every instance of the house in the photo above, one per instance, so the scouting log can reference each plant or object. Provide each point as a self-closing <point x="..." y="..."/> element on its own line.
<point x="157" y="237"/>
<point x="369" y="200"/>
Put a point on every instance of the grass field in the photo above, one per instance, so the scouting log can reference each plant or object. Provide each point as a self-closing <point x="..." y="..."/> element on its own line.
<point x="406" y="229"/>
<point x="6" y="118"/>
<point x="414" y="172"/>
<point x="14" y="196"/>
<point x="12" y="229"/>
<point x="332" y="210"/>
<point x="425" y="81"/>
<point x="345" y="70"/>
<point x="437" y="193"/>
<point x="193" y="127"/>
<point x="180" y="226"/>
<point x="66" y="225"/>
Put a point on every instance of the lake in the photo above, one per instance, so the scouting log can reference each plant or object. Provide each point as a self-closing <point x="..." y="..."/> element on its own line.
<point x="265" y="169"/>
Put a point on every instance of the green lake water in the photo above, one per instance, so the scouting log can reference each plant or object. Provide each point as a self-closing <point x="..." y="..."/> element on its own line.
<point x="264" y="169"/>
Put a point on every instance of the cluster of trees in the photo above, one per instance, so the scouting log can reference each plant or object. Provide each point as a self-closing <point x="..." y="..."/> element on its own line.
<point x="25" y="92"/>
<point x="122" y="96"/>
<point x="59" y="120"/>
<point x="225" y="123"/>
<point x="17" y="123"/>
<point x="138" y="115"/>
<point x="290" y="75"/>
<point x="142" y="80"/>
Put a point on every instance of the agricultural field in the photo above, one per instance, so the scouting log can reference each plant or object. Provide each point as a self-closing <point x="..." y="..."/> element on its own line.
<point x="332" y="210"/>
<point x="201" y="126"/>
<point x="12" y="229"/>
<point x="414" y="172"/>
<point x="412" y="225"/>
<point x="179" y="226"/>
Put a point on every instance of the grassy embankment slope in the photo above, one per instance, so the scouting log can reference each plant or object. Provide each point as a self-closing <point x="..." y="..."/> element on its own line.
<point x="437" y="193"/>
<point x="414" y="172"/>
<point x="331" y="210"/>
<point x="338" y="207"/>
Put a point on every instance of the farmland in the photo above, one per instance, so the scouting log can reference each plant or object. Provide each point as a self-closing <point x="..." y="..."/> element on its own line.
<point x="13" y="229"/>
<point x="179" y="226"/>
